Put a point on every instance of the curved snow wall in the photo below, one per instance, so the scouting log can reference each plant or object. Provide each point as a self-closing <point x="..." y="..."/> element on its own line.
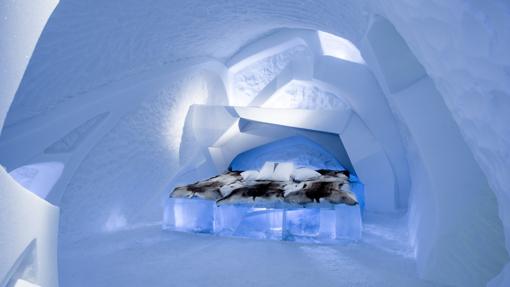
<point x="28" y="224"/>
<point x="448" y="183"/>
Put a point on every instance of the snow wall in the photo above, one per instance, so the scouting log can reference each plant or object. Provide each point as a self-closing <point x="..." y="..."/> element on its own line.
<point x="109" y="85"/>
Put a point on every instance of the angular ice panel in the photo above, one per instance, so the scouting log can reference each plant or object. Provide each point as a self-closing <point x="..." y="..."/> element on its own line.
<point x="348" y="222"/>
<point x="192" y="215"/>
<point x="301" y="224"/>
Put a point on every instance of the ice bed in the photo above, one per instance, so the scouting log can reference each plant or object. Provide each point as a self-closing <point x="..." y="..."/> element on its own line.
<point x="277" y="202"/>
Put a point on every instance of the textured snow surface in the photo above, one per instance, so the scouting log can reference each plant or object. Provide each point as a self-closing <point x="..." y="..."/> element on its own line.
<point x="115" y="39"/>
<point x="147" y="256"/>
<point x="302" y="95"/>
<point x="248" y="82"/>
<point x="132" y="164"/>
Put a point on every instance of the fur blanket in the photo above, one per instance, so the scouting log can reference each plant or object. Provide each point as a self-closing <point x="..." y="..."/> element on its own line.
<point x="230" y="188"/>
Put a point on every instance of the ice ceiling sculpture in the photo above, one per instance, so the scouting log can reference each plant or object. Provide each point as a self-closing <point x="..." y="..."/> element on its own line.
<point x="417" y="91"/>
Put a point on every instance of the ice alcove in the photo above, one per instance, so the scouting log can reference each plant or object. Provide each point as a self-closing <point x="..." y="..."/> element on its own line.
<point x="289" y="189"/>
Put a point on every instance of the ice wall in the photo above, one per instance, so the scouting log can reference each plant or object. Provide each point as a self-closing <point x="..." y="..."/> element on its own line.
<point x="448" y="170"/>
<point x="463" y="46"/>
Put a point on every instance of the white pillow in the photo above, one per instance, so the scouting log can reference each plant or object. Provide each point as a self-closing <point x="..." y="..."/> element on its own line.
<point x="283" y="171"/>
<point x="266" y="172"/>
<point x="250" y="175"/>
<point x="302" y="174"/>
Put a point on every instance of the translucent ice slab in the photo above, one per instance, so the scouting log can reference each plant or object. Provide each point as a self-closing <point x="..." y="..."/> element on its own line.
<point x="249" y="221"/>
<point x="348" y="222"/>
<point x="302" y="223"/>
<point x="192" y="215"/>
<point x="314" y="223"/>
<point x="322" y="224"/>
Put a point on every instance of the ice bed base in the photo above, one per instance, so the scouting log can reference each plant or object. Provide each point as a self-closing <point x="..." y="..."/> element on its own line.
<point x="314" y="223"/>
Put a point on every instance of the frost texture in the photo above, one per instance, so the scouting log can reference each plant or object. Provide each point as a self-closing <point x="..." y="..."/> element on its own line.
<point x="304" y="96"/>
<point x="88" y="44"/>
<point x="122" y="180"/>
<point x="251" y="80"/>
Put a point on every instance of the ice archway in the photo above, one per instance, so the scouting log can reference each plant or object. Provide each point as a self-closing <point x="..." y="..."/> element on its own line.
<point x="109" y="87"/>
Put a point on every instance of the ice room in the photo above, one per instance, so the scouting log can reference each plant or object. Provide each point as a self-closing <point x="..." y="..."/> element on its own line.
<point x="254" y="143"/>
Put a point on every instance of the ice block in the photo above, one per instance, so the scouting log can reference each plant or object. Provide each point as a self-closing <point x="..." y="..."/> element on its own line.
<point x="192" y="215"/>
<point x="228" y="218"/>
<point x="317" y="223"/>
<point x="348" y="222"/>
<point x="241" y="220"/>
<point x="301" y="223"/>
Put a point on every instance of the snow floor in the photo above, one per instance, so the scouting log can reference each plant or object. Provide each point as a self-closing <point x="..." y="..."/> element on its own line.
<point x="148" y="256"/>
